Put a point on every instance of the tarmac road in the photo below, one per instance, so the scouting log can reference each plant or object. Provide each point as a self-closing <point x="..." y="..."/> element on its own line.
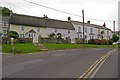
<point x="58" y="64"/>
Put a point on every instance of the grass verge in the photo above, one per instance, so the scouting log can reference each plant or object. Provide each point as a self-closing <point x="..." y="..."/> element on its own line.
<point x="20" y="48"/>
<point x="73" y="46"/>
<point x="31" y="48"/>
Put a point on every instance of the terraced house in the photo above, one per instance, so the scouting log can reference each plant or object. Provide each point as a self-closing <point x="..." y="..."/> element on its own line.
<point x="33" y="27"/>
<point x="92" y="31"/>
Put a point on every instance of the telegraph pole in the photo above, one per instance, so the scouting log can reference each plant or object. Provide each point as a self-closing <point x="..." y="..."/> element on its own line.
<point x="83" y="25"/>
<point x="114" y="26"/>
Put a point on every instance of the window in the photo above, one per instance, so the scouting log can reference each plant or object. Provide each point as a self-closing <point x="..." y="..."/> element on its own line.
<point x="31" y="35"/>
<point x="4" y="31"/>
<point x="21" y="35"/>
<point x="38" y="29"/>
<point x="92" y="37"/>
<point x="4" y="24"/>
<point x="79" y="28"/>
<point x="85" y="36"/>
<point x="91" y="30"/>
<point x="80" y="36"/>
<point x="107" y="32"/>
<point x="22" y="28"/>
<point x="86" y="29"/>
<point x="98" y="31"/>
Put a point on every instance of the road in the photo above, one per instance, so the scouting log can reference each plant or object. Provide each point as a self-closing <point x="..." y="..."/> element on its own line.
<point x="60" y="64"/>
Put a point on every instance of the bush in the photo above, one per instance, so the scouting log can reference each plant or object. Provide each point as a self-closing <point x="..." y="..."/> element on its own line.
<point x="110" y="42"/>
<point x="24" y="40"/>
<point x="97" y="41"/>
<point x="115" y="38"/>
<point x="13" y="34"/>
<point x="103" y="42"/>
<point x="78" y="41"/>
<point x="91" y="41"/>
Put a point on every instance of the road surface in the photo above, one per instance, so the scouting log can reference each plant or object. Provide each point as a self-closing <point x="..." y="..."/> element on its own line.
<point x="61" y="64"/>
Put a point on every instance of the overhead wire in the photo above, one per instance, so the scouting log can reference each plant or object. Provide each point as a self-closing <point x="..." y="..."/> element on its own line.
<point x="65" y="11"/>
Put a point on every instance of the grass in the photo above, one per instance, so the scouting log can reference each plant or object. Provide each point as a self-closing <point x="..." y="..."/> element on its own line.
<point x="73" y="46"/>
<point x="31" y="48"/>
<point x="20" y="48"/>
<point x="60" y="46"/>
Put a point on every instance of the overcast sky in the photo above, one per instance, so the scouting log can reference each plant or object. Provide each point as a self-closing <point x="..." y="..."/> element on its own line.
<point x="105" y="10"/>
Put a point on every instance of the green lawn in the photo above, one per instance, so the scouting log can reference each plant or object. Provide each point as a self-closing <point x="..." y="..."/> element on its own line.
<point x="60" y="46"/>
<point x="20" y="48"/>
<point x="30" y="48"/>
<point x="72" y="46"/>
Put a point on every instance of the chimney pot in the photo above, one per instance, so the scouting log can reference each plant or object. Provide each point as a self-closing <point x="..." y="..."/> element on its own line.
<point x="69" y="18"/>
<point x="104" y="24"/>
<point x="88" y="22"/>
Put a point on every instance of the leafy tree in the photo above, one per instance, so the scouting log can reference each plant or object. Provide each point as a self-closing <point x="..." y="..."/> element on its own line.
<point x="115" y="38"/>
<point x="6" y="11"/>
<point x="59" y="35"/>
<point x="13" y="34"/>
<point x="51" y="35"/>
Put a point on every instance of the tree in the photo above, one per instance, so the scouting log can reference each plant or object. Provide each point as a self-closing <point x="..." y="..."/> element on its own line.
<point x="6" y="11"/>
<point x="59" y="36"/>
<point x="51" y="35"/>
<point x="13" y="34"/>
<point x="115" y="38"/>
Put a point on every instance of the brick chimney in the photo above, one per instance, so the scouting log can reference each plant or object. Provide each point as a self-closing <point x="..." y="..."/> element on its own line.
<point x="69" y="18"/>
<point x="104" y="25"/>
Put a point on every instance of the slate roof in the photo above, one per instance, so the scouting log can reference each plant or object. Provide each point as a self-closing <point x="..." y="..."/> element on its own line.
<point x="91" y="25"/>
<point x="20" y="19"/>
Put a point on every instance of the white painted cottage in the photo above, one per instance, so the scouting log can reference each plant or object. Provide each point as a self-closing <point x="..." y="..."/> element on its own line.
<point x="33" y="27"/>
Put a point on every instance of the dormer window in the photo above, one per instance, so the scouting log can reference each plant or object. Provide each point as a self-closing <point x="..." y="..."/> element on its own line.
<point x="38" y="29"/>
<point x="22" y="28"/>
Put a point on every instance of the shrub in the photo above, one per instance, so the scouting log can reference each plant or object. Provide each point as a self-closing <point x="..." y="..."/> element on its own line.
<point x="110" y="42"/>
<point x="103" y="42"/>
<point x="24" y="40"/>
<point x="78" y="41"/>
<point x="97" y="41"/>
<point x="13" y="34"/>
<point x="115" y="38"/>
<point x="91" y="41"/>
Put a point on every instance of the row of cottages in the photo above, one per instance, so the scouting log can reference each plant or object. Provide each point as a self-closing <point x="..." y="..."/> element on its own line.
<point x="33" y="27"/>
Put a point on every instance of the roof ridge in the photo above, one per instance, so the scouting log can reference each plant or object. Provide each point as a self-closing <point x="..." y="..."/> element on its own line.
<point x="38" y="17"/>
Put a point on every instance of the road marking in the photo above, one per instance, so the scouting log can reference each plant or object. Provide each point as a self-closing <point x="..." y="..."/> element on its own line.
<point x="95" y="65"/>
<point x="98" y="67"/>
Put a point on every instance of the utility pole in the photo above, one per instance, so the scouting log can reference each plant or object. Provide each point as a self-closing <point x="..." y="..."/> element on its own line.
<point x="83" y="25"/>
<point x="114" y="26"/>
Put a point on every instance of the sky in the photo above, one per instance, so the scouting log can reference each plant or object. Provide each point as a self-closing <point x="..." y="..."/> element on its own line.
<point x="104" y="10"/>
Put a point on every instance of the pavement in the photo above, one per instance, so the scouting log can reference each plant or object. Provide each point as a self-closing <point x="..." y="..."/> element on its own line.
<point x="58" y="64"/>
